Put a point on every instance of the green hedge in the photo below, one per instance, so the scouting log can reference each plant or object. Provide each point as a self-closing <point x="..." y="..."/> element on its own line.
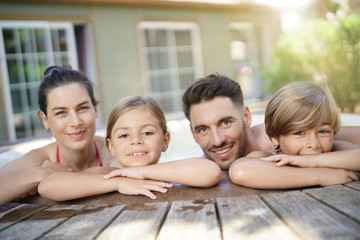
<point x="327" y="52"/>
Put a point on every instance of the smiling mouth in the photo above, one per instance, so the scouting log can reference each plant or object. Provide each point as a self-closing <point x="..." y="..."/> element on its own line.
<point x="137" y="154"/>
<point x="225" y="150"/>
<point x="77" y="134"/>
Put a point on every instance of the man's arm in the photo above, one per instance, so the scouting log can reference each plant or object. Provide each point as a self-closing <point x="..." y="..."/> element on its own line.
<point x="349" y="133"/>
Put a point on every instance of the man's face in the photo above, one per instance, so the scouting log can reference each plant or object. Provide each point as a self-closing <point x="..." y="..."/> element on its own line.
<point x="219" y="127"/>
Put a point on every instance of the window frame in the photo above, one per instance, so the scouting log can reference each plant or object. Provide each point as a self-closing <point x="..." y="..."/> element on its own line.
<point x="47" y="27"/>
<point x="174" y="69"/>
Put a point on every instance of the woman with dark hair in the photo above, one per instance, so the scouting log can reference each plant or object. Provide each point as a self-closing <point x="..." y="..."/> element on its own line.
<point x="68" y="109"/>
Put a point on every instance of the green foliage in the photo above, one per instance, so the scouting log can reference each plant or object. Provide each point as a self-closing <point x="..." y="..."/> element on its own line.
<point x="327" y="52"/>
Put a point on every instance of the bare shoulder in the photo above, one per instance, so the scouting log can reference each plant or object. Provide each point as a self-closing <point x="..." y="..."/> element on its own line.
<point x="33" y="158"/>
<point x="259" y="154"/>
<point x="107" y="159"/>
<point x="349" y="133"/>
<point x="39" y="155"/>
<point x="263" y="140"/>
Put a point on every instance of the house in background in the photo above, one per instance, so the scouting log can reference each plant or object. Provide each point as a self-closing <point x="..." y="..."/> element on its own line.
<point x="144" y="47"/>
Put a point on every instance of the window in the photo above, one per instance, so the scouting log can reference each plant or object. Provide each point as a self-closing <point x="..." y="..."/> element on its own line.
<point x="243" y="48"/>
<point x="27" y="49"/>
<point x="172" y="60"/>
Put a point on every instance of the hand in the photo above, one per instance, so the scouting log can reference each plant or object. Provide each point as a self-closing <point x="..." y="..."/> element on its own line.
<point x="295" y="160"/>
<point x="32" y="192"/>
<point x="332" y="176"/>
<point x="131" y="172"/>
<point x="54" y="167"/>
<point x="131" y="186"/>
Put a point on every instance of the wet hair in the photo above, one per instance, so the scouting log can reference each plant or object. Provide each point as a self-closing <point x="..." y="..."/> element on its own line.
<point x="300" y="106"/>
<point x="56" y="76"/>
<point x="209" y="87"/>
<point x="131" y="102"/>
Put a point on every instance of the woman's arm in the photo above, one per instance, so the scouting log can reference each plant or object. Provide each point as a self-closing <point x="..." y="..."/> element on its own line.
<point x="346" y="159"/>
<point x="71" y="185"/>
<point x="21" y="177"/>
<point x="255" y="173"/>
<point x="196" y="172"/>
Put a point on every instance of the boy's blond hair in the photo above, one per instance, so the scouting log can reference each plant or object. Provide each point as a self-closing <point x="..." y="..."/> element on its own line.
<point x="131" y="102"/>
<point x="300" y="106"/>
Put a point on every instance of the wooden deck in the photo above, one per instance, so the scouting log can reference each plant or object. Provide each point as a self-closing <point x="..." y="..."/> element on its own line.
<point x="225" y="211"/>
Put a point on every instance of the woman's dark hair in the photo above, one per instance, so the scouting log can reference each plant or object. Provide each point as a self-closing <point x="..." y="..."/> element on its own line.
<point x="56" y="76"/>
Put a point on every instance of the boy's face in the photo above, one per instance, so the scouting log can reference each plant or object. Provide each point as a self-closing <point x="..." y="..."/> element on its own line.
<point x="219" y="127"/>
<point x="313" y="141"/>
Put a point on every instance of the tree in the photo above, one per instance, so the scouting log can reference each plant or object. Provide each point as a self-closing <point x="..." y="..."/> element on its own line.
<point x="324" y="51"/>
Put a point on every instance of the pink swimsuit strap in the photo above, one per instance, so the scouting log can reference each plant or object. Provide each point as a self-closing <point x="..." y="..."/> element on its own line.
<point x="97" y="154"/>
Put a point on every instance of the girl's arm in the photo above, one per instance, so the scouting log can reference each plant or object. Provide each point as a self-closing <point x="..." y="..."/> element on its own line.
<point x="72" y="185"/>
<point x="21" y="177"/>
<point x="347" y="159"/>
<point x="196" y="172"/>
<point x="252" y="172"/>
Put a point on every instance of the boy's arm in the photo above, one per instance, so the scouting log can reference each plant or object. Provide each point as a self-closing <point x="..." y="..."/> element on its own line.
<point x="346" y="159"/>
<point x="196" y="172"/>
<point x="256" y="173"/>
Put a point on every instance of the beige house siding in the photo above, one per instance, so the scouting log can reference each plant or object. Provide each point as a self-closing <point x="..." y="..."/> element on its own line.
<point x="118" y="62"/>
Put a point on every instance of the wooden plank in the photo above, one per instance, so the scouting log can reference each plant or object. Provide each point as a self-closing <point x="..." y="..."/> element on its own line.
<point x="138" y="221"/>
<point x="8" y="206"/>
<point x="342" y="198"/>
<point x="354" y="185"/>
<point x="191" y="220"/>
<point x="40" y="223"/>
<point x="250" y="218"/>
<point x="86" y="224"/>
<point x="16" y="214"/>
<point x="311" y="219"/>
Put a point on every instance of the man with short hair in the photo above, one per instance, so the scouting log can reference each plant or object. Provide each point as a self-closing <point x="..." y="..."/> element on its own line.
<point x="220" y="124"/>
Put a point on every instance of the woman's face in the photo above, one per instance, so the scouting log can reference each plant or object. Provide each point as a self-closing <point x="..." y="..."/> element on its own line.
<point x="137" y="138"/>
<point x="70" y="116"/>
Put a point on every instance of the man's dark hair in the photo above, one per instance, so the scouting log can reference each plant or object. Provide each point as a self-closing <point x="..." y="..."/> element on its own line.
<point x="209" y="87"/>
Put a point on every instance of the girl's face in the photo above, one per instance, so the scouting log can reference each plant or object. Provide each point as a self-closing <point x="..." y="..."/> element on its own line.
<point x="137" y="138"/>
<point x="70" y="116"/>
<point x="313" y="141"/>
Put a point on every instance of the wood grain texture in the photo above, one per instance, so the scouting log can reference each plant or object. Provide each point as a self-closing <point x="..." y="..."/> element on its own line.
<point x="310" y="218"/>
<point x="250" y="218"/>
<point x="138" y="221"/>
<point x="39" y="223"/>
<point x="187" y="219"/>
<point x="16" y="214"/>
<point x="87" y="224"/>
<point x="354" y="185"/>
<point x="339" y="197"/>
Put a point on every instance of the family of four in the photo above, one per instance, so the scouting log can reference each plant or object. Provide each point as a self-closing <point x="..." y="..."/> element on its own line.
<point x="301" y="143"/>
